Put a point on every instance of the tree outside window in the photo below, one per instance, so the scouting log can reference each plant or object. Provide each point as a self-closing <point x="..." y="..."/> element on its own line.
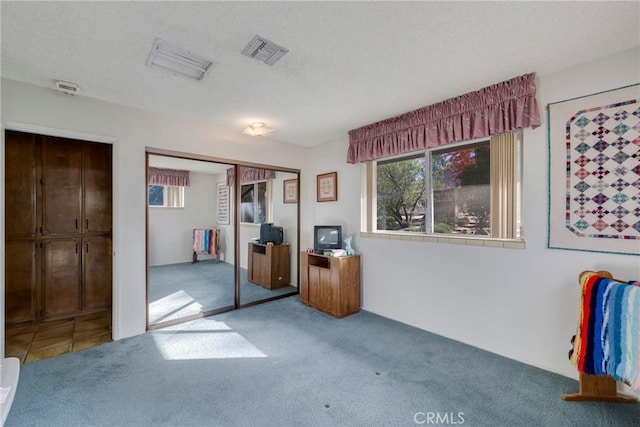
<point x="461" y="190"/>
<point x="440" y="191"/>
<point x="401" y="195"/>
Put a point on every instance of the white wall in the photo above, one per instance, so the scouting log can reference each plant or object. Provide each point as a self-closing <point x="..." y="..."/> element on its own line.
<point x="132" y="130"/>
<point x="171" y="229"/>
<point x="520" y="303"/>
<point x="345" y="211"/>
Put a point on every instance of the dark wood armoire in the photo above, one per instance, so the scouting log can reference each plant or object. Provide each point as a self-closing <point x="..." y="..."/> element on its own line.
<point x="58" y="227"/>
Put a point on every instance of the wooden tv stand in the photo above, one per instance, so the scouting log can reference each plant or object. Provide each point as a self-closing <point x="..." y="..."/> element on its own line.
<point x="269" y="265"/>
<point x="330" y="284"/>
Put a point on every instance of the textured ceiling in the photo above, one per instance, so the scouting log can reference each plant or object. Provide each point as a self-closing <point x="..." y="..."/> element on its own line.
<point x="350" y="63"/>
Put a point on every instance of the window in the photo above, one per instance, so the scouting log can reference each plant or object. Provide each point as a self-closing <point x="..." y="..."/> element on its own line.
<point x="470" y="189"/>
<point x="401" y="190"/>
<point x="255" y="202"/>
<point x="460" y="191"/>
<point x="166" y="196"/>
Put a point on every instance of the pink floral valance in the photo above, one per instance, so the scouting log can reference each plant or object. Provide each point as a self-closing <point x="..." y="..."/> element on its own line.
<point x="174" y="177"/>
<point x="249" y="175"/>
<point x="496" y="109"/>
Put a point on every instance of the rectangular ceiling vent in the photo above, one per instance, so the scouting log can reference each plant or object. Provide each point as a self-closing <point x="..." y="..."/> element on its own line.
<point x="264" y="50"/>
<point x="179" y="62"/>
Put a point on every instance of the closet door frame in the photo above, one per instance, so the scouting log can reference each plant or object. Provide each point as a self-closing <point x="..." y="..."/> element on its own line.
<point x="237" y="164"/>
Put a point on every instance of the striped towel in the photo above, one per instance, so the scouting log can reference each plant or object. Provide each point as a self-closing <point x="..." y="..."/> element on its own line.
<point x="608" y="335"/>
<point x="205" y="241"/>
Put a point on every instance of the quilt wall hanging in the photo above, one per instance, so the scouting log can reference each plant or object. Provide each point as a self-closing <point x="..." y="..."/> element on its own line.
<point x="594" y="172"/>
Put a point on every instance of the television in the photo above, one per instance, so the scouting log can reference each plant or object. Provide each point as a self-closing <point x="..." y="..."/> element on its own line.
<point x="326" y="238"/>
<point x="271" y="233"/>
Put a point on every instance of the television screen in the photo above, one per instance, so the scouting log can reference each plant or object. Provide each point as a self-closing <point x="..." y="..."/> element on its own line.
<point x="327" y="237"/>
<point x="271" y="233"/>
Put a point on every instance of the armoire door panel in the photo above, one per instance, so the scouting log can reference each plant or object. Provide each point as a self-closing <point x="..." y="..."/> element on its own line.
<point x="20" y="180"/>
<point x="58" y="198"/>
<point x="20" y="281"/>
<point x="96" y="161"/>
<point x="62" y="173"/>
<point x="62" y="277"/>
<point x="97" y="267"/>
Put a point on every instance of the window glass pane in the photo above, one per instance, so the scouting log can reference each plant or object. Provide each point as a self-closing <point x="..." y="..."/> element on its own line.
<point x="461" y="190"/>
<point x="401" y="195"/>
<point x="246" y="203"/>
<point x="261" y="208"/>
<point x="156" y="195"/>
<point x="174" y="197"/>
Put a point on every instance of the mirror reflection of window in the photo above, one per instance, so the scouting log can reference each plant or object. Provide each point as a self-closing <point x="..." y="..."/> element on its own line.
<point x="247" y="203"/>
<point x="166" y="196"/>
<point x="255" y="203"/>
<point x="156" y="195"/>
<point x="261" y="203"/>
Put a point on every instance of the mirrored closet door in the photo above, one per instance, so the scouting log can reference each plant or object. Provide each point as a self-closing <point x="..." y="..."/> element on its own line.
<point x="190" y="239"/>
<point x="269" y="237"/>
<point x="212" y="247"/>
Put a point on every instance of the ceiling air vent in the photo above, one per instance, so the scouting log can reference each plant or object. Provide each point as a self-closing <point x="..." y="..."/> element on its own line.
<point x="264" y="50"/>
<point x="179" y="62"/>
<point x="67" y="87"/>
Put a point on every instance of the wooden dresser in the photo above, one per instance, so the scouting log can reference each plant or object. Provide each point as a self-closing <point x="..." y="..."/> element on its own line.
<point x="269" y="266"/>
<point x="330" y="284"/>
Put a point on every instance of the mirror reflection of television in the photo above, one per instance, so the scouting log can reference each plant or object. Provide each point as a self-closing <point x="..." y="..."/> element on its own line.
<point x="326" y="238"/>
<point x="271" y="233"/>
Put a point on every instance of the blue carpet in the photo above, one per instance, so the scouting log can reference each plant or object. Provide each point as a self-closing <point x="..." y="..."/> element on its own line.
<point x="186" y="289"/>
<point x="284" y="364"/>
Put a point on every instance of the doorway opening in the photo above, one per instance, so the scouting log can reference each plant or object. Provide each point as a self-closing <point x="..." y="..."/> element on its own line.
<point x="58" y="244"/>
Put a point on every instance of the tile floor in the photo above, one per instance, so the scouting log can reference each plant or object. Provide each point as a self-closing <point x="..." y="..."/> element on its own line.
<point x="49" y="339"/>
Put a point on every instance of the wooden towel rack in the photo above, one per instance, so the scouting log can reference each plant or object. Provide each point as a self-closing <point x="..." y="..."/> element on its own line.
<point x="598" y="388"/>
<point x="216" y="245"/>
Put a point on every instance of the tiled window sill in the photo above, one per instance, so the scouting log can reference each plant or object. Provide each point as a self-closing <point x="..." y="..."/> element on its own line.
<point x="454" y="240"/>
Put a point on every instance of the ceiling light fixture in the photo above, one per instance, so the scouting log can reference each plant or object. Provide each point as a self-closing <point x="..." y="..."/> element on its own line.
<point x="179" y="62"/>
<point x="258" y="129"/>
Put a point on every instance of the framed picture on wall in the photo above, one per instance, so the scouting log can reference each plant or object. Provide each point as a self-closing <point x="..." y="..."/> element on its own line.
<point x="223" y="203"/>
<point x="327" y="187"/>
<point x="290" y="191"/>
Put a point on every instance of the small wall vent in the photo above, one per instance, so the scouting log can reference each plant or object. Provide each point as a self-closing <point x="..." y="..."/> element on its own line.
<point x="67" y="87"/>
<point x="264" y="50"/>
